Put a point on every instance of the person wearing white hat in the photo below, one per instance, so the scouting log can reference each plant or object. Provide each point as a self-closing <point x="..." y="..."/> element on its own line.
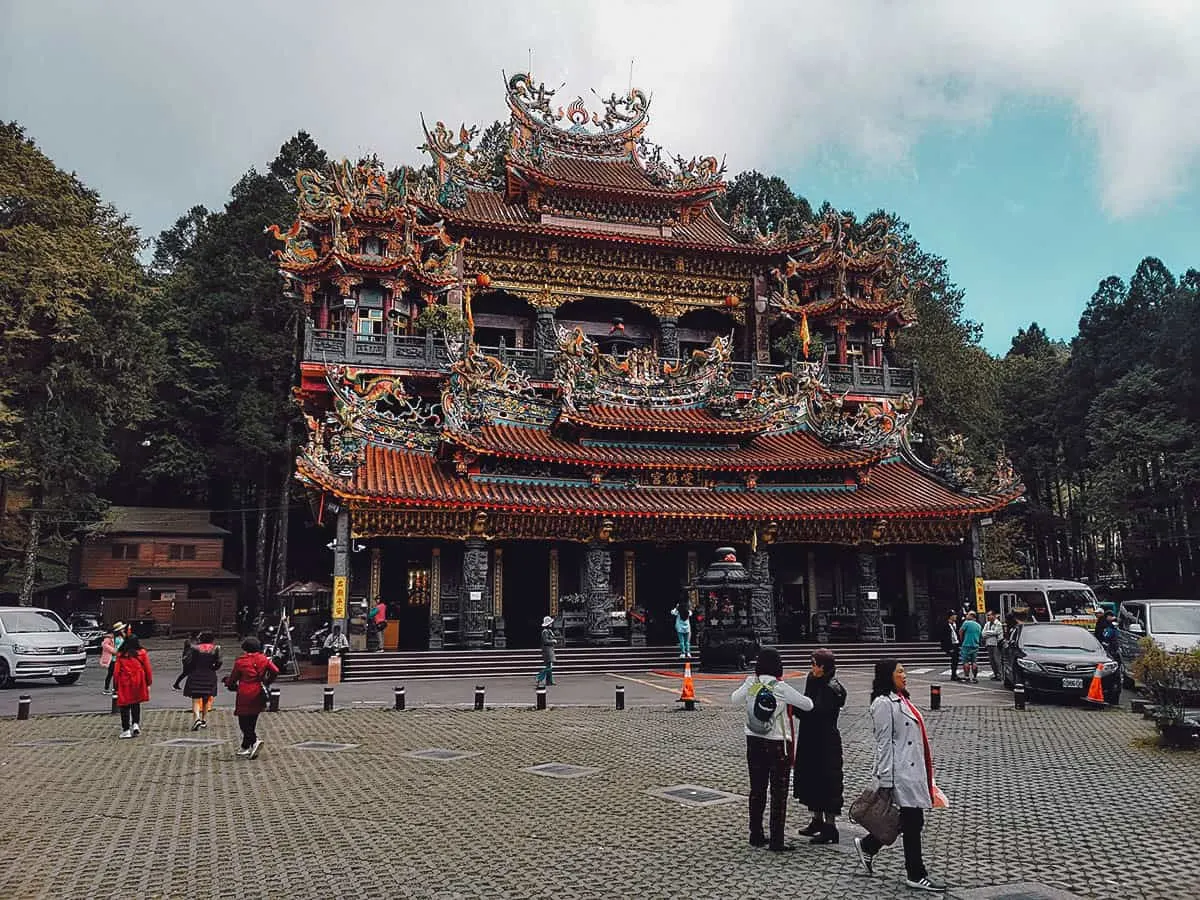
<point x="108" y="652"/>
<point x="548" y="642"/>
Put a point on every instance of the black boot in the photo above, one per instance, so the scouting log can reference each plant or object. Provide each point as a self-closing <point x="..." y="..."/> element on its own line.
<point x="812" y="828"/>
<point x="827" y="835"/>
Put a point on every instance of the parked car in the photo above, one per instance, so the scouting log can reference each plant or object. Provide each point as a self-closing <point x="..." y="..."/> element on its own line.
<point x="1175" y="624"/>
<point x="36" y="643"/>
<point x="1053" y="658"/>
<point x="89" y="628"/>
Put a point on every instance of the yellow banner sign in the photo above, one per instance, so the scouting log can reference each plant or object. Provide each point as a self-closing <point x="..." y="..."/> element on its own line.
<point x="980" y="605"/>
<point x="340" y="591"/>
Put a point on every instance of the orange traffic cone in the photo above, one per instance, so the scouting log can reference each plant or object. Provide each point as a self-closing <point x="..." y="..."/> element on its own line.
<point x="1095" y="692"/>
<point x="688" y="695"/>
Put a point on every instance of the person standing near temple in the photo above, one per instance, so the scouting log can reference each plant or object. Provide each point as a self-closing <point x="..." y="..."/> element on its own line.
<point x="381" y="612"/>
<point x="993" y="633"/>
<point x="683" y="628"/>
<point x="968" y="651"/>
<point x="549" y="640"/>
<point x="817" y="771"/>
<point x="950" y="644"/>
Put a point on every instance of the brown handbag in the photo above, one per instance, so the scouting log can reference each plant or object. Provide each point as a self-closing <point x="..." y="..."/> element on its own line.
<point x="875" y="811"/>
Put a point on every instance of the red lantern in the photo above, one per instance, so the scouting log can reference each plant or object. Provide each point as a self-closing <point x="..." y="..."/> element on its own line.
<point x="483" y="279"/>
<point x="731" y="300"/>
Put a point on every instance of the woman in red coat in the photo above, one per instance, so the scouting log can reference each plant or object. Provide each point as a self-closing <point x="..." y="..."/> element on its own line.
<point x="133" y="677"/>
<point x="251" y="674"/>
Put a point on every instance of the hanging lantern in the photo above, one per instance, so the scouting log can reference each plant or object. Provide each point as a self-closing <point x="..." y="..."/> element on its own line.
<point x="731" y="301"/>
<point x="483" y="279"/>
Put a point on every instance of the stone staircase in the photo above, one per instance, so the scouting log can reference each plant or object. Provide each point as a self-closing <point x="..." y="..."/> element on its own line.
<point x="412" y="664"/>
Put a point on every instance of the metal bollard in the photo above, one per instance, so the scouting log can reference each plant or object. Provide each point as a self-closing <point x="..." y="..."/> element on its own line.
<point x="1138" y="706"/>
<point x="114" y="709"/>
<point x="935" y="696"/>
<point x="23" y="704"/>
<point x="1018" y="696"/>
<point x="328" y="699"/>
<point x="399" y="692"/>
<point x="620" y="696"/>
<point x="479" y="696"/>
<point x="273" y="700"/>
<point x="540" y="698"/>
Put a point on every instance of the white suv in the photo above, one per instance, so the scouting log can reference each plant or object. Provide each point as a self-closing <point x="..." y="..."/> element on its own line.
<point x="36" y="643"/>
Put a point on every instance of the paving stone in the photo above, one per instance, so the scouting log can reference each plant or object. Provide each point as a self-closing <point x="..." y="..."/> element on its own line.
<point x="560" y="770"/>
<point x="439" y="754"/>
<point x="190" y="742"/>
<point x="693" y="795"/>
<point x="323" y="746"/>
<point x="1032" y="794"/>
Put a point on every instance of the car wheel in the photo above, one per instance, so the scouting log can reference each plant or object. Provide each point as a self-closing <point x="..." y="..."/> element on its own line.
<point x="1126" y="681"/>
<point x="6" y="679"/>
<point x="67" y="679"/>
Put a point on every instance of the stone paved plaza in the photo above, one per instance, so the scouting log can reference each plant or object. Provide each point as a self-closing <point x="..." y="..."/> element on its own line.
<point x="1058" y="796"/>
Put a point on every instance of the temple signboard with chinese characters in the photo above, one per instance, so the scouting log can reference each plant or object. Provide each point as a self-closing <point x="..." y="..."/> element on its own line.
<point x="519" y="369"/>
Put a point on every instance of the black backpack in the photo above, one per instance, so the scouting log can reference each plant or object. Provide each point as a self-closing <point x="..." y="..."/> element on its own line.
<point x="761" y="707"/>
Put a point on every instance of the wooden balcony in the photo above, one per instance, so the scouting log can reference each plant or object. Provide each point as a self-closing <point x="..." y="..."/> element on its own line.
<point x="428" y="353"/>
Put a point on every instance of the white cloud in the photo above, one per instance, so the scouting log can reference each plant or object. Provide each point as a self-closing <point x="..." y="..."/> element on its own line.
<point x="159" y="107"/>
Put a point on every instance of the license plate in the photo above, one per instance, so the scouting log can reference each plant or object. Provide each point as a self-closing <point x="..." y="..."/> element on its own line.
<point x="1072" y="682"/>
<point x="61" y="670"/>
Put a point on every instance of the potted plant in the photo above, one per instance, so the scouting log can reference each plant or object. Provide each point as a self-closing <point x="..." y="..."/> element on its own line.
<point x="440" y="319"/>
<point x="1173" y="681"/>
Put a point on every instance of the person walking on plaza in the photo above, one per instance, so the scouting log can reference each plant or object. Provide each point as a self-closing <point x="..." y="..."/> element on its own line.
<point x="968" y="651"/>
<point x="183" y="658"/>
<point x="765" y="698"/>
<point x="108" y="652"/>
<point x="683" y="628"/>
<point x="549" y="640"/>
<point x="817" y="772"/>
<point x="904" y="765"/>
<point x="993" y="633"/>
<point x="132" y="677"/>
<point x="950" y="644"/>
<point x="200" y="665"/>
<point x="252" y="673"/>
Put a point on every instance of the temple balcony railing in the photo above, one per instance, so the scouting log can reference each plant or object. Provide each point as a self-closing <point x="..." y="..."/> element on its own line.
<point x="428" y="352"/>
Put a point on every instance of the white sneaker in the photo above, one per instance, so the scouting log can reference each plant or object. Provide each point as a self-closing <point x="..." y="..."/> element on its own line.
<point x="136" y="729"/>
<point x="867" y="859"/>
<point x="243" y="752"/>
<point x="126" y="734"/>
<point x="254" y="750"/>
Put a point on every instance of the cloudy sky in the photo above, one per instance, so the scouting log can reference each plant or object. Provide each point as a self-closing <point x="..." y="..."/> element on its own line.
<point x="1038" y="148"/>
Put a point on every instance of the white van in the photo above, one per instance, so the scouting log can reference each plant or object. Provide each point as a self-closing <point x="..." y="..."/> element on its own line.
<point x="1046" y="599"/>
<point x="36" y="643"/>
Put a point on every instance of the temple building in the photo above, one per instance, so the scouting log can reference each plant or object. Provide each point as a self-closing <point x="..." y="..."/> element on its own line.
<point x="549" y="381"/>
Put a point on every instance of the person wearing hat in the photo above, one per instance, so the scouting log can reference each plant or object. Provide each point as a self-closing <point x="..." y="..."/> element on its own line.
<point x="108" y="652"/>
<point x="548" y="642"/>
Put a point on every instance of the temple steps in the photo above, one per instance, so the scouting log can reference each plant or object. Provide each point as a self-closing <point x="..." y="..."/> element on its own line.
<point x="384" y="665"/>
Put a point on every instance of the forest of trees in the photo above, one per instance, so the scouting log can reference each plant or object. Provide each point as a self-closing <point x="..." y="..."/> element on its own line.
<point x="168" y="383"/>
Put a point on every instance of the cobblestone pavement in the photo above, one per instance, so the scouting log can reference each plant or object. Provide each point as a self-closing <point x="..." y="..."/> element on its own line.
<point x="1035" y="795"/>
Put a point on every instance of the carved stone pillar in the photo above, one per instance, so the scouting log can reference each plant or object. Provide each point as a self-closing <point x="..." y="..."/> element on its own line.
<point x="472" y="612"/>
<point x="545" y="338"/>
<point x="436" y="641"/>
<point x="596" y="589"/>
<point x="762" y="597"/>
<point x="499" y="640"/>
<point x="921" y="603"/>
<point x="870" y="619"/>
<point x="341" y="572"/>
<point x="668" y="345"/>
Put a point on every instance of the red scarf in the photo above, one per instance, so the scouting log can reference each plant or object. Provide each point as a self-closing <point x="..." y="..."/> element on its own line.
<point x="916" y="714"/>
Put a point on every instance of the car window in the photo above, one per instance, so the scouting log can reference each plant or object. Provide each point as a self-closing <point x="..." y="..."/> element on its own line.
<point x="1135" y="612"/>
<point x="1072" y="602"/>
<point x="1175" y="619"/>
<point x="31" y="621"/>
<point x="1067" y="638"/>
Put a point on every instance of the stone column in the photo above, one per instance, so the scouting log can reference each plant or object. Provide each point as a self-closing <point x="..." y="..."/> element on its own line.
<point x="596" y="589"/>
<point x="975" y="547"/>
<point x="545" y="338"/>
<point x="499" y="640"/>
<point x="920" y="599"/>
<point x="870" y="619"/>
<point x="472" y="614"/>
<point x="668" y="345"/>
<point x="436" y="641"/>
<point x="762" y="597"/>
<point x="341" y="570"/>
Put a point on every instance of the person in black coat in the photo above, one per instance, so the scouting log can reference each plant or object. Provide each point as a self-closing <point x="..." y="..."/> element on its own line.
<point x="817" y="781"/>
<point x="200" y="664"/>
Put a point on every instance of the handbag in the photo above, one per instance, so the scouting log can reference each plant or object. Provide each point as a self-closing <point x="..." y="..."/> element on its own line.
<point x="875" y="811"/>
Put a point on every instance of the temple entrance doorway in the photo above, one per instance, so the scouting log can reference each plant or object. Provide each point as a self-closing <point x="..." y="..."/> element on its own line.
<point x="893" y="592"/>
<point x="526" y="592"/>
<point x="661" y="575"/>
<point x="404" y="585"/>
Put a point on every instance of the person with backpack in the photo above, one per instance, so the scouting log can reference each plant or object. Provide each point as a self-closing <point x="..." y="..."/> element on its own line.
<point x="769" y="744"/>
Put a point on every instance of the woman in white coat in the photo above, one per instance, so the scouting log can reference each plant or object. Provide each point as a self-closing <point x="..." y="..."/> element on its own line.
<point x="904" y="764"/>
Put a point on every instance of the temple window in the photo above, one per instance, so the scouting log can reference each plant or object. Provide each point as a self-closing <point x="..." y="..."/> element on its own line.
<point x="370" y="321"/>
<point x="854" y="348"/>
<point x="372" y="246"/>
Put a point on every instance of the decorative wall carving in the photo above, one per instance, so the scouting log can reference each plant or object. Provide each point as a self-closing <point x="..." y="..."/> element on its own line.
<point x="473" y="602"/>
<point x="596" y="591"/>
<point x="870" y="617"/>
<point x="762" y="596"/>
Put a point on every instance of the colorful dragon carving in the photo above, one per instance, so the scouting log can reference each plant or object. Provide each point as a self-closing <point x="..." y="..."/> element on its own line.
<point x="295" y="248"/>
